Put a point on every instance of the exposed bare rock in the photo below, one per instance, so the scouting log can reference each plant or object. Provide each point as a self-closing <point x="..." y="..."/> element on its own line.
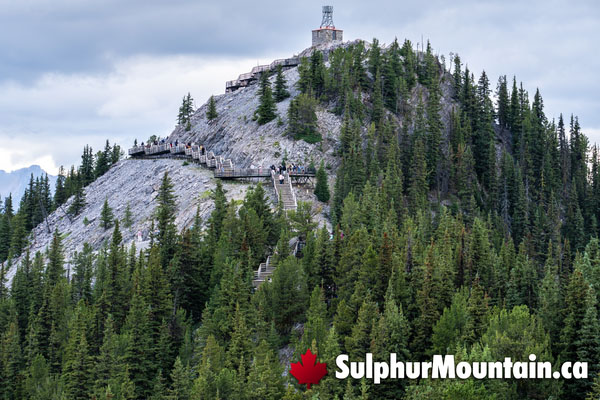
<point x="135" y="182"/>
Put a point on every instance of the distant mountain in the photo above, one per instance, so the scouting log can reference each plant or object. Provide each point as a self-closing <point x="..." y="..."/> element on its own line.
<point x="16" y="182"/>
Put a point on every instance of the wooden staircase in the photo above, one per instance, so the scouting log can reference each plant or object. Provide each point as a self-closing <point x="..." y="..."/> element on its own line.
<point x="285" y="192"/>
<point x="263" y="274"/>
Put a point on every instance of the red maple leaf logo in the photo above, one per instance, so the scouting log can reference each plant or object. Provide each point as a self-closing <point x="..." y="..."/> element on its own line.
<point x="309" y="371"/>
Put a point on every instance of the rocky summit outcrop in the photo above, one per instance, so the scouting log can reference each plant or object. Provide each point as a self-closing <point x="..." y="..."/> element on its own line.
<point x="133" y="182"/>
<point x="233" y="134"/>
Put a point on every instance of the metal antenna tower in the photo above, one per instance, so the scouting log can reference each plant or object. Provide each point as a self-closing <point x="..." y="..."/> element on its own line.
<point x="327" y="21"/>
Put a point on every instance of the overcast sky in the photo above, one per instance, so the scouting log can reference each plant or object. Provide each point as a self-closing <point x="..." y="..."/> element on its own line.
<point x="76" y="72"/>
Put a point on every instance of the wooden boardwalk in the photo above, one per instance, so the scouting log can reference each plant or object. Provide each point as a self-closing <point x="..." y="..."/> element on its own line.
<point x="224" y="169"/>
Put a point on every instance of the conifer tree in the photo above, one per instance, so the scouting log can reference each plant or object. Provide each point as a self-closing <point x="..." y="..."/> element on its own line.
<point x="86" y="169"/>
<point x="128" y="217"/>
<point x="315" y="328"/>
<point x="60" y="192"/>
<point x="588" y="343"/>
<point x="390" y="335"/>
<point x="477" y="309"/>
<point x="281" y="93"/>
<point x="377" y="100"/>
<point x="106" y="216"/>
<point x="450" y="328"/>
<point x="289" y="295"/>
<point x="503" y="102"/>
<point x="358" y="343"/>
<point x="434" y="135"/>
<point x="266" y="111"/>
<point x="78" y="202"/>
<point x="302" y="119"/>
<point x="264" y="379"/>
<point x="211" y="113"/>
<point x="418" y="188"/>
<point x="322" y="187"/>
<point x="181" y="386"/>
<point x="103" y="161"/>
<point x="137" y="355"/>
<point x="240" y="347"/>
<point x="165" y="216"/>
<point x="77" y="369"/>
<point x="550" y="297"/>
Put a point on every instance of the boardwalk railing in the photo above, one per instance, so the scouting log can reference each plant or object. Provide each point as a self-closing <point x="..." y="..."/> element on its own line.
<point x="157" y="149"/>
<point x="242" y="173"/>
<point x="179" y="149"/>
<point x="135" y="150"/>
<point x="223" y="168"/>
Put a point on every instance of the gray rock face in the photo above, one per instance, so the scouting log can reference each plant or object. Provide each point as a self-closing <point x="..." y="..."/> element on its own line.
<point x="135" y="182"/>
<point x="233" y="134"/>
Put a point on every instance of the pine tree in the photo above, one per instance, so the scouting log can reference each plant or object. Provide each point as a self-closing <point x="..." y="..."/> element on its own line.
<point x="103" y="161"/>
<point x="11" y="362"/>
<point x="418" y="188"/>
<point x="86" y="169"/>
<point x="165" y="216"/>
<point x="106" y="216"/>
<point x="267" y="110"/>
<point x="60" y="192"/>
<point x="315" y="328"/>
<point x="281" y="93"/>
<point x="211" y="113"/>
<point x="302" y="119"/>
<point x="265" y="378"/>
<point x="322" y="187"/>
<point x="434" y="135"/>
<point x="503" y="102"/>
<point x="377" y="100"/>
<point x="137" y="355"/>
<point x="77" y="369"/>
<point x="358" y="343"/>
<point x="78" y="202"/>
<point x="550" y="298"/>
<point x="289" y="295"/>
<point x="390" y="335"/>
<point x="477" y="308"/>
<point x="588" y="343"/>
<point x="181" y="388"/>
<point x="128" y="217"/>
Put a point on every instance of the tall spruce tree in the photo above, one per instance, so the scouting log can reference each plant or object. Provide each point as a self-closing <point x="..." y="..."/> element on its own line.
<point x="322" y="187"/>
<point x="281" y="93"/>
<point x="211" y="113"/>
<point x="106" y="216"/>
<point x="267" y="110"/>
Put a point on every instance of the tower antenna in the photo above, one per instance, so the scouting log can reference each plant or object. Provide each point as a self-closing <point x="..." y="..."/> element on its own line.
<point x="327" y="21"/>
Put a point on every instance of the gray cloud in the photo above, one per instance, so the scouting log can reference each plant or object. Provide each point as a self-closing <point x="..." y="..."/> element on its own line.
<point x="85" y="70"/>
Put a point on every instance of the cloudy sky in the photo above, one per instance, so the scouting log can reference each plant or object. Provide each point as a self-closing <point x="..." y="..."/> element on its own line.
<point x="79" y="71"/>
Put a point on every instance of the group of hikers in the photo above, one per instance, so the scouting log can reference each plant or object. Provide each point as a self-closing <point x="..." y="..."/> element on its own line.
<point x="290" y="168"/>
<point x="188" y="145"/>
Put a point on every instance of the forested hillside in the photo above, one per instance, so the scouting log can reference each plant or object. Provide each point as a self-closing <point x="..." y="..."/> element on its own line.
<point x="465" y="221"/>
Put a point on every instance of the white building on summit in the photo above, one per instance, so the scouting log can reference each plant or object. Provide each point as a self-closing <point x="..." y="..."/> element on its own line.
<point x="327" y="32"/>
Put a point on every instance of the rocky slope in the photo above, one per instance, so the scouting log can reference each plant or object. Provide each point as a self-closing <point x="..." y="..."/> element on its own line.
<point x="234" y="135"/>
<point x="135" y="182"/>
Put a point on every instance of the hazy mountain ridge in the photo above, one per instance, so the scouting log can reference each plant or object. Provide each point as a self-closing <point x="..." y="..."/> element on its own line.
<point x="15" y="182"/>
